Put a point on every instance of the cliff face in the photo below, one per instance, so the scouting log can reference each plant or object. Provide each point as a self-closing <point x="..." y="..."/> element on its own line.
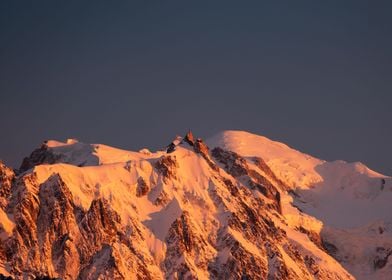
<point x="7" y="175"/>
<point x="195" y="213"/>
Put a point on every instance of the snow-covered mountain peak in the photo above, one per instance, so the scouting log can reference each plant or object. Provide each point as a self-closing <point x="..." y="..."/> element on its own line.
<point x="297" y="169"/>
<point x="351" y="200"/>
<point x="236" y="206"/>
<point x="79" y="154"/>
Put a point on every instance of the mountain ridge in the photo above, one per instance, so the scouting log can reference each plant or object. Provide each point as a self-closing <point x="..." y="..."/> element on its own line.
<point x="191" y="213"/>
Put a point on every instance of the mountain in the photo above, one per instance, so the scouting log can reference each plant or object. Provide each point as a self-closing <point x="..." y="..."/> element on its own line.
<point x="237" y="206"/>
<point x="352" y="202"/>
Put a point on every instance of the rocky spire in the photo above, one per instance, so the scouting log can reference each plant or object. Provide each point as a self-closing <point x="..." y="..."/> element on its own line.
<point x="201" y="147"/>
<point x="172" y="146"/>
<point x="189" y="138"/>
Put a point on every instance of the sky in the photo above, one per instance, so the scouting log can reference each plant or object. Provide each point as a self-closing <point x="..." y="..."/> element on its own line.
<point x="316" y="75"/>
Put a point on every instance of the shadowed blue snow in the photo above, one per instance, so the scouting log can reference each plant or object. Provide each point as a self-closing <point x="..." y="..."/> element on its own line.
<point x="133" y="74"/>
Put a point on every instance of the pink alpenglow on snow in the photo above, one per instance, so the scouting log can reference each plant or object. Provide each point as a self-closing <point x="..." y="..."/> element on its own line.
<point x="236" y="206"/>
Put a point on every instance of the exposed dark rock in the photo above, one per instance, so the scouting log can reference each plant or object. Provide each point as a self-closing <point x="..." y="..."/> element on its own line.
<point x="107" y="266"/>
<point x="311" y="264"/>
<point x="237" y="166"/>
<point x="315" y="238"/>
<point x="184" y="242"/>
<point x="201" y="148"/>
<point x="262" y="183"/>
<point x="75" y="153"/>
<point x="162" y="198"/>
<point x="294" y="194"/>
<point x="42" y="155"/>
<point x="128" y="166"/>
<point x="329" y="247"/>
<point x="25" y="207"/>
<point x="189" y="138"/>
<point x="171" y="148"/>
<point x="277" y="267"/>
<point x="166" y="166"/>
<point x="260" y="163"/>
<point x="142" y="187"/>
<point x="56" y="225"/>
<point x="240" y="264"/>
<point x="7" y="175"/>
<point x="231" y="187"/>
<point x="382" y="257"/>
<point x="180" y="234"/>
<point x="233" y="163"/>
<point x="99" y="226"/>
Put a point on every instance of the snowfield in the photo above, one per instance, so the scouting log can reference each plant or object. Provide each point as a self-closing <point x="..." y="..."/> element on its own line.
<point x="194" y="212"/>
<point x="350" y="203"/>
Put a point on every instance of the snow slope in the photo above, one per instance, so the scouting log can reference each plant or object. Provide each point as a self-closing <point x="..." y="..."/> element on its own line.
<point x="295" y="168"/>
<point x="88" y="211"/>
<point x="78" y="153"/>
<point x="348" y="200"/>
<point x="338" y="193"/>
<point x="251" y="208"/>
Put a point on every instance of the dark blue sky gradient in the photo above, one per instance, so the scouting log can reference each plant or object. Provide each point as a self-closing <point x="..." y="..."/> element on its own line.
<point x="132" y="74"/>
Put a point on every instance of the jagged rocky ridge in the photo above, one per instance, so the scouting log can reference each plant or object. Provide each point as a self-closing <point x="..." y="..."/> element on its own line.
<point x="188" y="212"/>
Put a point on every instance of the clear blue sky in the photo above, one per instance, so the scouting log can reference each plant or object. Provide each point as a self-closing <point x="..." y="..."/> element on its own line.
<point x="316" y="75"/>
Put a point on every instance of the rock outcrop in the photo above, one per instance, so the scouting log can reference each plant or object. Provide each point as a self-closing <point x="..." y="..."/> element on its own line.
<point x="7" y="175"/>
<point x="189" y="138"/>
<point x="42" y="155"/>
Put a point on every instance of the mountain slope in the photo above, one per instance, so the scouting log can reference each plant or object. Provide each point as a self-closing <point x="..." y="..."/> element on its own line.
<point x="351" y="201"/>
<point x="293" y="167"/>
<point x="84" y="211"/>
